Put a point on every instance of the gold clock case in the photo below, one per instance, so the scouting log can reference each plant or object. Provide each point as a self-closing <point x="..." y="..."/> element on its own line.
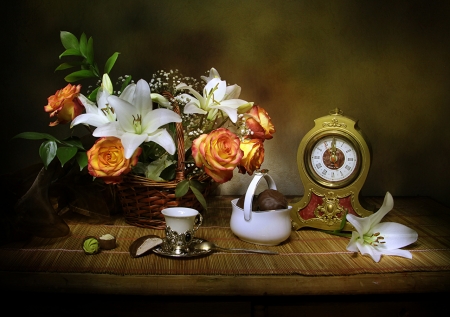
<point x="325" y="203"/>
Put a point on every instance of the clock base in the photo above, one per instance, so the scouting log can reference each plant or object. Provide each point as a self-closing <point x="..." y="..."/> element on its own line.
<point x="326" y="211"/>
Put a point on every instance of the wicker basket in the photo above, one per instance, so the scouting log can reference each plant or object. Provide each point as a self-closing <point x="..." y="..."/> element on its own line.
<point x="143" y="199"/>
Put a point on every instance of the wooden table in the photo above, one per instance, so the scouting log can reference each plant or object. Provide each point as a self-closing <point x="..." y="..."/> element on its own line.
<point x="254" y="284"/>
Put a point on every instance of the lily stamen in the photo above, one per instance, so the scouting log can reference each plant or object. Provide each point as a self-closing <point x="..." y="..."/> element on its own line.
<point x="107" y="110"/>
<point x="137" y="121"/>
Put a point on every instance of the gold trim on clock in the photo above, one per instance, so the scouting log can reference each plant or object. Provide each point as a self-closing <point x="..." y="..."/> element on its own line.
<point x="316" y="138"/>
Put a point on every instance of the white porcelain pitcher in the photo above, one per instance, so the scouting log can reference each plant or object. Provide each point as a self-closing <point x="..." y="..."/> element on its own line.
<point x="269" y="227"/>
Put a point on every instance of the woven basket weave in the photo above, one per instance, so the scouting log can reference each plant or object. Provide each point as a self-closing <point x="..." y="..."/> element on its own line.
<point x="143" y="199"/>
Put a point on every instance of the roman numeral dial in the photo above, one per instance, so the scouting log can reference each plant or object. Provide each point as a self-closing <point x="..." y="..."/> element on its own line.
<point x="334" y="159"/>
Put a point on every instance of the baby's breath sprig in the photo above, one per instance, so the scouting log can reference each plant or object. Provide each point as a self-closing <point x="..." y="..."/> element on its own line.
<point x="166" y="81"/>
<point x="242" y="130"/>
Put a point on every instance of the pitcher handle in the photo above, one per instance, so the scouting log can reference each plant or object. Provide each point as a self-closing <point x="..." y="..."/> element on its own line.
<point x="248" y="201"/>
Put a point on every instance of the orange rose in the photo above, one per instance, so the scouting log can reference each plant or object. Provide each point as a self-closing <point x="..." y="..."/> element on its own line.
<point x="253" y="155"/>
<point x="218" y="153"/>
<point x="106" y="159"/>
<point x="260" y="123"/>
<point x="64" y="104"/>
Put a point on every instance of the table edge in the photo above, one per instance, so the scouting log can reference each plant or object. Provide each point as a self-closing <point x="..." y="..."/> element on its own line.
<point x="210" y="285"/>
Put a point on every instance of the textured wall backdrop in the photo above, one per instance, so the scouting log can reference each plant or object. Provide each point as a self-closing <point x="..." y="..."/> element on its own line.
<point x="385" y="63"/>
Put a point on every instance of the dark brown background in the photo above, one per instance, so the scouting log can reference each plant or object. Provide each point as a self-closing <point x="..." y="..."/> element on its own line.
<point x="385" y="63"/>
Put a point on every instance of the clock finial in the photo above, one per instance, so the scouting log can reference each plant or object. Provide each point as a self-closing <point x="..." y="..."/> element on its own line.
<point x="336" y="111"/>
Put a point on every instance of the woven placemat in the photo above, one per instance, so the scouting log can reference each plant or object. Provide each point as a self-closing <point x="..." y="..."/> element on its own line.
<point x="306" y="252"/>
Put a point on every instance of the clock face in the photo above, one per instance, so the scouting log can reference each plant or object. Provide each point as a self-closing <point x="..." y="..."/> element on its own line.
<point x="333" y="160"/>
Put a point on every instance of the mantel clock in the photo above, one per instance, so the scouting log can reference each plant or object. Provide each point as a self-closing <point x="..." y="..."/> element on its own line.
<point x="333" y="160"/>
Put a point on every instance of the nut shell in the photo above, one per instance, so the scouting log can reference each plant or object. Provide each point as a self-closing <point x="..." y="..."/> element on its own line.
<point x="240" y="202"/>
<point x="271" y="199"/>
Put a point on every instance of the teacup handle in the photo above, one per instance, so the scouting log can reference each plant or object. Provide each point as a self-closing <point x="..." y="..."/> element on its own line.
<point x="198" y="222"/>
<point x="248" y="201"/>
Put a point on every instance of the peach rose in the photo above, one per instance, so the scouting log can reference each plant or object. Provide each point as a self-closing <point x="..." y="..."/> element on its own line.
<point x="106" y="159"/>
<point x="253" y="155"/>
<point x="218" y="153"/>
<point x="260" y="123"/>
<point x="64" y="104"/>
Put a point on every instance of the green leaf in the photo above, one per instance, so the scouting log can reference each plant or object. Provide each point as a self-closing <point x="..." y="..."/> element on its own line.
<point x="69" y="40"/>
<point x="197" y="184"/>
<point x="110" y="62"/>
<point x="93" y="95"/>
<point x="64" y="66"/>
<point x="199" y="196"/>
<point x="78" y="75"/>
<point x="71" y="52"/>
<point x="343" y="221"/>
<point x="83" y="45"/>
<point x="65" y="153"/>
<point x="90" y="51"/>
<point x="74" y="142"/>
<point x="94" y="69"/>
<point x="182" y="188"/>
<point x="36" y="136"/>
<point x="82" y="159"/>
<point x="47" y="152"/>
<point x="169" y="172"/>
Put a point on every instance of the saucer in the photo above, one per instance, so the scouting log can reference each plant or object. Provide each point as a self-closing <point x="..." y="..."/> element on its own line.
<point x="192" y="253"/>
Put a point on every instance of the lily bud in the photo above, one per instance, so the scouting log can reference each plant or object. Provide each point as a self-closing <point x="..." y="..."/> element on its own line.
<point x="161" y="100"/>
<point x="107" y="84"/>
<point x="213" y="73"/>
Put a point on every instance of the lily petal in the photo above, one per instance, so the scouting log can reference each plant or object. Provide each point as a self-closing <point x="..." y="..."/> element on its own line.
<point x="352" y="244"/>
<point x="395" y="235"/>
<point x="232" y="92"/>
<point x="128" y="93"/>
<point x="109" y="129"/>
<point x="131" y="142"/>
<point x="91" y="119"/>
<point x="387" y="206"/>
<point x="125" y="112"/>
<point x="159" y="117"/>
<point x="370" y="250"/>
<point x="362" y="225"/>
<point x="142" y="97"/>
<point x="398" y="252"/>
<point x="192" y="107"/>
<point x="217" y="87"/>
<point x="164" y="139"/>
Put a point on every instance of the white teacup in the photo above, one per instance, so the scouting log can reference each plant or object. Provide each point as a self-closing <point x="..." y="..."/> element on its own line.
<point x="181" y="224"/>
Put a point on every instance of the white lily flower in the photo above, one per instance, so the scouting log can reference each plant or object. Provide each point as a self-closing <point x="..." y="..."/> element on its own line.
<point x="137" y="122"/>
<point x="95" y="116"/>
<point x="374" y="238"/>
<point x="101" y="114"/>
<point x="216" y="96"/>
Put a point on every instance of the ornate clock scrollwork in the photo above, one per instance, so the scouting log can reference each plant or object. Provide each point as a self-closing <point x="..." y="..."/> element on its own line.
<point x="334" y="124"/>
<point x="330" y="212"/>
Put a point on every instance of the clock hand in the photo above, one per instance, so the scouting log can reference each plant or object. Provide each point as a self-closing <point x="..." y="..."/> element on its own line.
<point x="333" y="157"/>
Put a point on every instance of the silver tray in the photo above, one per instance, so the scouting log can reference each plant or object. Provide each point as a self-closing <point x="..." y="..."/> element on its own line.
<point x="192" y="253"/>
